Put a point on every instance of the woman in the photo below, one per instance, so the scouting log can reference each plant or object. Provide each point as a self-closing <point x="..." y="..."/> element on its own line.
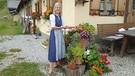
<point x="57" y="45"/>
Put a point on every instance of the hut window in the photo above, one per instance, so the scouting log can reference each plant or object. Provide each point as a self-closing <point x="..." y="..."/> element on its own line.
<point x="108" y="7"/>
<point x="133" y="4"/>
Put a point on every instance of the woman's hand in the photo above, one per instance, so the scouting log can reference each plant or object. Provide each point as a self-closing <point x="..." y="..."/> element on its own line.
<point x="68" y="27"/>
<point x="64" y="27"/>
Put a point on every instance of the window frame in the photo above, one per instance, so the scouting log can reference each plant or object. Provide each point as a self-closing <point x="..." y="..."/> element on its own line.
<point x="116" y="7"/>
<point x="133" y="5"/>
<point x="106" y="11"/>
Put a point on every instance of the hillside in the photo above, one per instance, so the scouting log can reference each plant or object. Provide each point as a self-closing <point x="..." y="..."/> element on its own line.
<point x="3" y="10"/>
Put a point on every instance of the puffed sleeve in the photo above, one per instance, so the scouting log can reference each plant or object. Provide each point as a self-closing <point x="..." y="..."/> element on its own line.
<point x="52" y="20"/>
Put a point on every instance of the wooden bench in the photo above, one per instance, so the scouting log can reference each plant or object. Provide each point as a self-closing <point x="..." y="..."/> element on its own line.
<point x="111" y="29"/>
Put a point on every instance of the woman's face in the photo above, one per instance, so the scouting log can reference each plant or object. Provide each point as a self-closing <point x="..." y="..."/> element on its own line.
<point x="58" y="9"/>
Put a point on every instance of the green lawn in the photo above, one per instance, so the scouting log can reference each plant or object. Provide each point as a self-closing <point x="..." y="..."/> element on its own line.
<point x="22" y="69"/>
<point x="2" y="55"/>
<point x="8" y="28"/>
<point x="15" y="50"/>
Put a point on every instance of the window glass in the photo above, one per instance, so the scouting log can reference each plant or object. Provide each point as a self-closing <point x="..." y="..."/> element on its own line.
<point x="102" y="5"/>
<point x="109" y="6"/>
<point x="133" y="4"/>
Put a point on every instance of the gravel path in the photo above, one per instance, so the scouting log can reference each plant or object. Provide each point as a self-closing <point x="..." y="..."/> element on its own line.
<point x="33" y="51"/>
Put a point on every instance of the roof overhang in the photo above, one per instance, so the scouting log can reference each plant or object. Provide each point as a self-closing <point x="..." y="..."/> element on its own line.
<point x="12" y="5"/>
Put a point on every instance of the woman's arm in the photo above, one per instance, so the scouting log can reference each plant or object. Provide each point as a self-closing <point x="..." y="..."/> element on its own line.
<point x="57" y="28"/>
<point x="69" y="27"/>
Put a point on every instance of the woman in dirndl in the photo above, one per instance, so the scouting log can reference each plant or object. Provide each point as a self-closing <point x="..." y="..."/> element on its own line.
<point x="57" y="46"/>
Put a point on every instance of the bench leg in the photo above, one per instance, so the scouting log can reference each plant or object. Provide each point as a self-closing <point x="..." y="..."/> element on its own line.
<point x="124" y="46"/>
<point x="112" y="48"/>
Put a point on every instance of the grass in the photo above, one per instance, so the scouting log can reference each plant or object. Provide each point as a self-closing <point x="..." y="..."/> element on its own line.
<point x="2" y="55"/>
<point x="22" y="69"/>
<point x="15" y="50"/>
<point x="3" y="3"/>
<point x="8" y="28"/>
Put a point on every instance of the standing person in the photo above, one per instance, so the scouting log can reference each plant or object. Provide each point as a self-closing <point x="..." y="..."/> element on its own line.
<point x="57" y="45"/>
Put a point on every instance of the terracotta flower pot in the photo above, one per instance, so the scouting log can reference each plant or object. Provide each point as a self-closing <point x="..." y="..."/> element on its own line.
<point x="84" y="42"/>
<point x="78" y="60"/>
<point x="37" y="18"/>
<point x="71" y="66"/>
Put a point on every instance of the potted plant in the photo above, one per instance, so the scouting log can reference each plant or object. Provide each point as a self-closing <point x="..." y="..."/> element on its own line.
<point x="71" y="60"/>
<point x="78" y="52"/>
<point x="97" y="62"/>
<point x="69" y="54"/>
<point x="36" y="15"/>
<point x="86" y="32"/>
<point x="47" y="13"/>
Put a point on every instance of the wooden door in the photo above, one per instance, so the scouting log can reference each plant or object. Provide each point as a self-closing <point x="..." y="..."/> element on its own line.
<point x="130" y="11"/>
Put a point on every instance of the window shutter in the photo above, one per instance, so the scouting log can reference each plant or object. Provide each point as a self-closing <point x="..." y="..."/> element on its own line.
<point x="40" y="6"/>
<point x="36" y="7"/>
<point x="27" y="11"/>
<point x="59" y="1"/>
<point x="113" y="4"/>
<point x="30" y="10"/>
<point x="51" y="4"/>
<point x="121" y="7"/>
<point x="94" y="7"/>
<point x="48" y="4"/>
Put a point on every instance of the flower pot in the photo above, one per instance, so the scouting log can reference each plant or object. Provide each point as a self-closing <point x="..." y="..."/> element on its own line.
<point x="37" y="18"/>
<point x="71" y="66"/>
<point x="121" y="13"/>
<point x="78" y="60"/>
<point x="84" y="42"/>
<point x="94" y="12"/>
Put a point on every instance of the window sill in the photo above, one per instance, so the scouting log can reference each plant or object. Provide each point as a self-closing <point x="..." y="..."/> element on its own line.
<point x="81" y="1"/>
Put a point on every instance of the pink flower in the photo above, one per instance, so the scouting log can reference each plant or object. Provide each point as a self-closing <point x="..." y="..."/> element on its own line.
<point x="70" y="30"/>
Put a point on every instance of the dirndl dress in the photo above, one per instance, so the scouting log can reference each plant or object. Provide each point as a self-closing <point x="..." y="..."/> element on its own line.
<point x="57" y="45"/>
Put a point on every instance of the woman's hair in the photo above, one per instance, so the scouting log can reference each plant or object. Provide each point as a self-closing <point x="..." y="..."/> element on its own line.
<point x="56" y="4"/>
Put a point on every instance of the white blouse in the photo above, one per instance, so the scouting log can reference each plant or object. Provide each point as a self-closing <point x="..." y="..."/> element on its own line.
<point x="52" y="20"/>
